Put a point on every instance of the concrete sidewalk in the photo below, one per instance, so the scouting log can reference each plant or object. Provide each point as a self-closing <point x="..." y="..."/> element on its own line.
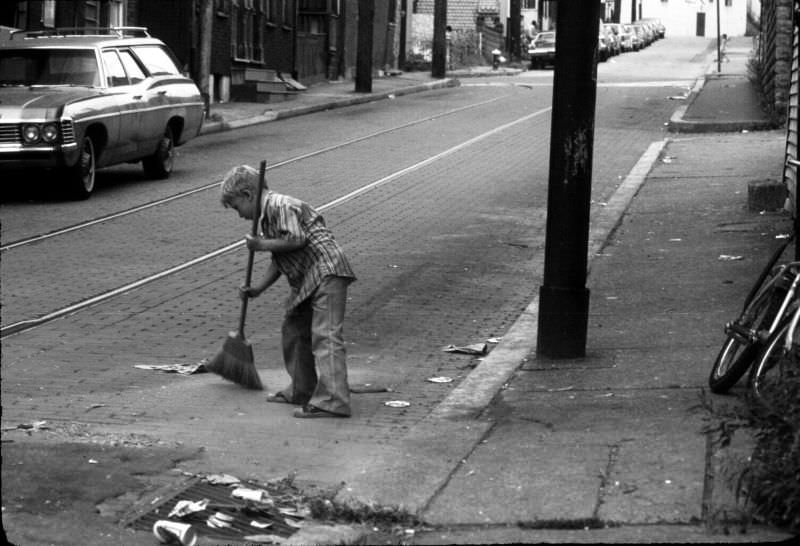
<point x="610" y="448"/>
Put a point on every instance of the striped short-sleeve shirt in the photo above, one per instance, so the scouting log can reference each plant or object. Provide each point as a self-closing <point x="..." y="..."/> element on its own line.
<point x="285" y="217"/>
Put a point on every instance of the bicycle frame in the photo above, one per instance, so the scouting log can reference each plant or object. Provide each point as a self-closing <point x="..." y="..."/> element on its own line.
<point x="759" y="334"/>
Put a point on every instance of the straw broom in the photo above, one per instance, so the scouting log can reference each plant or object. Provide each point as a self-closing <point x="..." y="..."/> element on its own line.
<point x="235" y="361"/>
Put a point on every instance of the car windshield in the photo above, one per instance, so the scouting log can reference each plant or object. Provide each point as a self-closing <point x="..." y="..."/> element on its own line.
<point x="545" y="39"/>
<point x="48" y="67"/>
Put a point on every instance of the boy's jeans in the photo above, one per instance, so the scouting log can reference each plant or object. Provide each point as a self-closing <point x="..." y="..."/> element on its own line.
<point x="313" y="349"/>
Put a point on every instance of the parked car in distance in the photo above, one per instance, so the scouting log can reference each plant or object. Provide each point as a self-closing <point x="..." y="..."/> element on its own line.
<point x="614" y="45"/>
<point x="641" y="35"/>
<point x="542" y="49"/>
<point x="658" y="27"/>
<point x="623" y="35"/>
<point x="75" y="100"/>
<point x="603" y="49"/>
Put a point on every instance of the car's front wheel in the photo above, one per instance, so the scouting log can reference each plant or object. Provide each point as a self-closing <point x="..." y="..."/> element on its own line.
<point x="81" y="175"/>
<point x="159" y="165"/>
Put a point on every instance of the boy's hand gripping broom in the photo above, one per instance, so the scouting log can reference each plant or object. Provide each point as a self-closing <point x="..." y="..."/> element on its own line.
<point x="235" y="361"/>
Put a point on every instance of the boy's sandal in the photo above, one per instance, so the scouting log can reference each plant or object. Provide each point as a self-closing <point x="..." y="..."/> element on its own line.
<point x="312" y="412"/>
<point x="278" y="398"/>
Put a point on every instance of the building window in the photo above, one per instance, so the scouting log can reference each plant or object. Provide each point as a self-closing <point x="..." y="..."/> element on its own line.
<point x="116" y="15"/>
<point x="91" y="14"/>
<point x="247" y="29"/>
<point x="49" y="13"/>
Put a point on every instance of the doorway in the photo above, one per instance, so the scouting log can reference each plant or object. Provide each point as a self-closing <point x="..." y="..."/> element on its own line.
<point x="701" y="24"/>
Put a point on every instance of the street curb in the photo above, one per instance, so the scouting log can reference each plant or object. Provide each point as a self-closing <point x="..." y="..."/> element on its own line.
<point x="221" y="126"/>
<point x="436" y="446"/>
<point x="679" y="125"/>
<point x="483" y="383"/>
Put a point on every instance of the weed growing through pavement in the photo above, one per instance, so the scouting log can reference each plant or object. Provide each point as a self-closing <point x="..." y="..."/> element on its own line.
<point x="767" y="483"/>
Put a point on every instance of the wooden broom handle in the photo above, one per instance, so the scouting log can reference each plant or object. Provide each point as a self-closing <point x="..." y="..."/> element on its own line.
<point x="251" y="257"/>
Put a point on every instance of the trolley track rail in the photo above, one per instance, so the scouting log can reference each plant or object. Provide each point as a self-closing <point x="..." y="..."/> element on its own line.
<point x="208" y="186"/>
<point x="28" y="323"/>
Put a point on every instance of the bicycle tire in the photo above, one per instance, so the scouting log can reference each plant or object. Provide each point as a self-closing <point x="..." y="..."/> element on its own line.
<point x="731" y="364"/>
<point x="772" y="365"/>
<point x="737" y="354"/>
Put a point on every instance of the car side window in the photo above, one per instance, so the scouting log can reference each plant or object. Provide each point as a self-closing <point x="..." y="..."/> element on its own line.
<point x="157" y="60"/>
<point x="115" y="72"/>
<point x="135" y="72"/>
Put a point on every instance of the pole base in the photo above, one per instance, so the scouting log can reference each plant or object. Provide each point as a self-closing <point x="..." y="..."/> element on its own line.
<point x="563" y="322"/>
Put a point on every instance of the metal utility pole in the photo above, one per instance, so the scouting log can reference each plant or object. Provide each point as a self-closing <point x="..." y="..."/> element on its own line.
<point x="563" y="297"/>
<point x="515" y="30"/>
<point x="439" y="60"/>
<point x="366" y="18"/>
<point x="719" y="48"/>
<point x="204" y="65"/>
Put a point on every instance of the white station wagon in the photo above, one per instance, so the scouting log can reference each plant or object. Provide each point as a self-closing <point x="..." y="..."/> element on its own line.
<point x="79" y="99"/>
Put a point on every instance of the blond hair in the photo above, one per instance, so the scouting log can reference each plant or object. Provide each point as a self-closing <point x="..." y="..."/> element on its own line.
<point x="238" y="181"/>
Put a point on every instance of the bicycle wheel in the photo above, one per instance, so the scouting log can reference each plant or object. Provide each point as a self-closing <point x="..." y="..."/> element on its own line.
<point x="743" y="345"/>
<point x="732" y="362"/>
<point x="773" y="364"/>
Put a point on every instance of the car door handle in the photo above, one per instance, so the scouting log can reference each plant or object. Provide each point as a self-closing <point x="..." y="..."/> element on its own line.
<point x="162" y="92"/>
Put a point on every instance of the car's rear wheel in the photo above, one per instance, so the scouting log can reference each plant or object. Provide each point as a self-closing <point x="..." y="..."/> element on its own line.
<point x="81" y="176"/>
<point x="159" y="165"/>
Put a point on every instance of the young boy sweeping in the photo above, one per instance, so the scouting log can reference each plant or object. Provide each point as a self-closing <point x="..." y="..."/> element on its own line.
<point x="305" y="252"/>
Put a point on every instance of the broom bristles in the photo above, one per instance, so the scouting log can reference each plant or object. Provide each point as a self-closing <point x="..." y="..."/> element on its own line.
<point x="235" y="363"/>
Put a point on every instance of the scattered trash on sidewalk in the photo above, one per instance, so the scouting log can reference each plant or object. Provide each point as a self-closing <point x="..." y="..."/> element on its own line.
<point x="219" y="520"/>
<point x="205" y="511"/>
<point x="167" y="532"/>
<point x="186" y="507"/>
<point x="494" y="340"/>
<point x="440" y="379"/>
<point x="182" y="369"/>
<point x="667" y="159"/>
<point x="265" y="539"/>
<point x="221" y="479"/>
<point x="678" y="97"/>
<point x="254" y="495"/>
<point x="729" y="258"/>
<point x="364" y="388"/>
<point x="397" y="403"/>
<point x="473" y="349"/>
<point x="29" y="427"/>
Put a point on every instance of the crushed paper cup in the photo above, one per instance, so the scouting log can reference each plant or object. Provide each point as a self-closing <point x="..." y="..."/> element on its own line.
<point x="167" y="532"/>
